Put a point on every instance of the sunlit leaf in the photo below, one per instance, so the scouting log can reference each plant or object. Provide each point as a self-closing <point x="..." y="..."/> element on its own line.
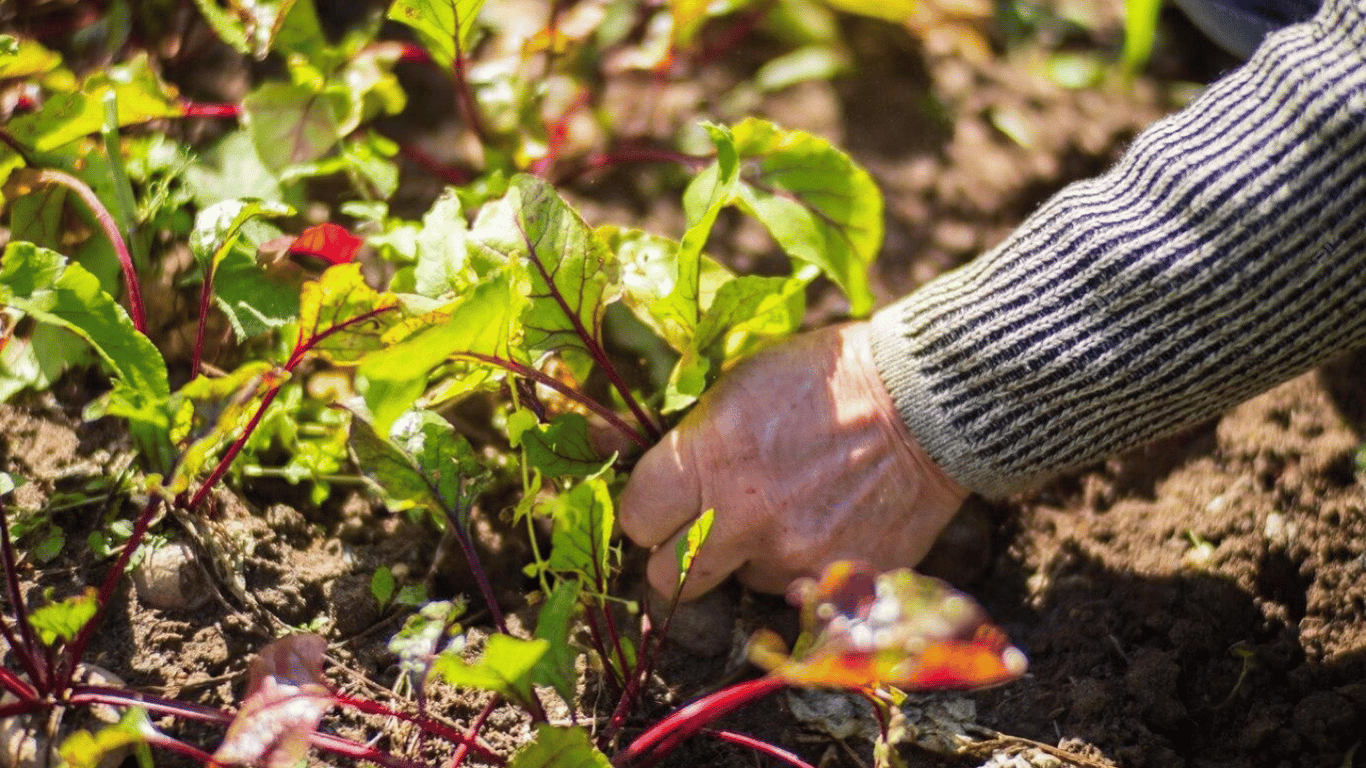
<point x="66" y="117"/>
<point x="286" y="697"/>
<point x="217" y="227"/>
<point x="83" y="749"/>
<point x="685" y="551"/>
<point x="557" y="668"/>
<point x="819" y="205"/>
<point x="560" y="747"/>
<point x="445" y="27"/>
<point x="687" y="16"/>
<point x="43" y="284"/>
<point x="441" y="256"/>
<point x="342" y="318"/>
<point x="505" y="667"/>
<point x="703" y="200"/>
<point x="258" y="27"/>
<point x="861" y="629"/>
<point x="423" y="463"/>
<point x="27" y="59"/>
<point x="562" y="448"/>
<point x="63" y="619"/>
<point x="581" y="536"/>
<point x="482" y="322"/>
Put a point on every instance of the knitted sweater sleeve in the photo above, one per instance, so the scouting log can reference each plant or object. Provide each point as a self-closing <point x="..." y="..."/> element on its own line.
<point x="1223" y="254"/>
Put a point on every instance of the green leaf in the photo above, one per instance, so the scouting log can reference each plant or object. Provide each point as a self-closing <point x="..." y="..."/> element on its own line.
<point x="445" y="27"/>
<point x="217" y="227"/>
<point x="232" y="170"/>
<point x="214" y="411"/>
<point x="66" y="117"/>
<point x="1140" y="29"/>
<point x="341" y="318"/>
<point x="441" y="255"/>
<point x="560" y="747"/>
<point x="83" y="749"/>
<point x="26" y="59"/>
<point x="41" y="283"/>
<point x="382" y="585"/>
<point x="254" y="300"/>
<point x="819" y="205"/>
<point x="573" y="274"/>
<point x="685" y="551"/>
<point x="481" y="322"/>
<point x="423" y="464"/>
<point x="557" y="668"/>
<point x="254" y="28"/>
<point x="63" y="620"/>
<point x="506" y="667"/>
<point x="293" y="123"/>
<point x="562" y="448"/>
<point x="581" y="532"/>
<point x="703" y="200"/>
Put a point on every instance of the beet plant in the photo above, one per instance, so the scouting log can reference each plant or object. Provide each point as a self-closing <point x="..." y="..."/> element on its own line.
<point x="583" y="342"/>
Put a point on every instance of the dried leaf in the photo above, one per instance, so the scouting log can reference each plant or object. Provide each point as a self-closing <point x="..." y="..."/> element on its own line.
<point x="286" y="697"/>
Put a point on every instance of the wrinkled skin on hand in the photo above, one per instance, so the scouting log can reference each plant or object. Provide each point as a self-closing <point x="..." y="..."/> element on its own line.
<point x="801" y="452"/>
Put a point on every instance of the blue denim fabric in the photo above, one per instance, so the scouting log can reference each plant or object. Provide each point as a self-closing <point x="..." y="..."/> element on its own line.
<point x="1238" y="26"/>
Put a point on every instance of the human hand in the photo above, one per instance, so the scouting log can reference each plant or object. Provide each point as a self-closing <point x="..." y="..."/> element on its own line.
<point x="801" y="452"/>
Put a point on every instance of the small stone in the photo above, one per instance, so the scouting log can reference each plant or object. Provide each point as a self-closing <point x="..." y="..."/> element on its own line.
<point x="169" y="578"/>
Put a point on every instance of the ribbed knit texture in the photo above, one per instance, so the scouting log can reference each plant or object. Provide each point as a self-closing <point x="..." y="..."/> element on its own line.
<point x="1225" y="253"/>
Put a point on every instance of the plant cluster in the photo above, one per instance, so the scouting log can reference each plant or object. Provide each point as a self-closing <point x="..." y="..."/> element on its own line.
<point x="578" y="337"/>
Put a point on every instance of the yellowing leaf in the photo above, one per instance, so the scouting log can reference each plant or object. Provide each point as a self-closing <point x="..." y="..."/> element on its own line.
<point x="342" y="318"/>
<point x="861" y="629"/>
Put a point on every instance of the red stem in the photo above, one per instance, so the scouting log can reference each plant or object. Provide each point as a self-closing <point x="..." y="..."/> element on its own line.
<point x="632" y="689"/>
<point x="71" y="656"/>
<point x="762" y="747"/>
<point x="111" y="230"/>
<point x="17" y="708"/>
<point x="614" y="676"/>
<point x="564" y="389"/>
<point x="451" y="174"/>
<point x="25" y="649"/>
<point x="465" y="741"/>
<point x="477" y="568"/>
<point x="199" y="109"/>
<point x="301" y="348"/>
<point x="12" y="682"/>
<point x="472" y="733"/>
<point x="665" y="736"/>
<point x="100" y="694"/>
<point x="632" y="154"/>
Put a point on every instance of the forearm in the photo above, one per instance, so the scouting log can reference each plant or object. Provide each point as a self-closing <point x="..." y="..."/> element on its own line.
<point x="1226" y="252"/>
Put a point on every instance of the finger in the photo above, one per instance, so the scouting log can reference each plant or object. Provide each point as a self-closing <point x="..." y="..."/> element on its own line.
<point x="716" y="560"/>
<point x="663" y="493"/>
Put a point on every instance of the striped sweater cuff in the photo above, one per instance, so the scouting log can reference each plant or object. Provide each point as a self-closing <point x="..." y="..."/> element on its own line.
<point x="1223" y="254"/>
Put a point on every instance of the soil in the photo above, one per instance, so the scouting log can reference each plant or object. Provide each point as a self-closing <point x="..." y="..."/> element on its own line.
<point x="1198" y="602"/>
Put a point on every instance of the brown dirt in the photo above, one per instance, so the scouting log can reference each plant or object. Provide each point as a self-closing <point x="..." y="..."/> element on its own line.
<point x="1199" y="602"/>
